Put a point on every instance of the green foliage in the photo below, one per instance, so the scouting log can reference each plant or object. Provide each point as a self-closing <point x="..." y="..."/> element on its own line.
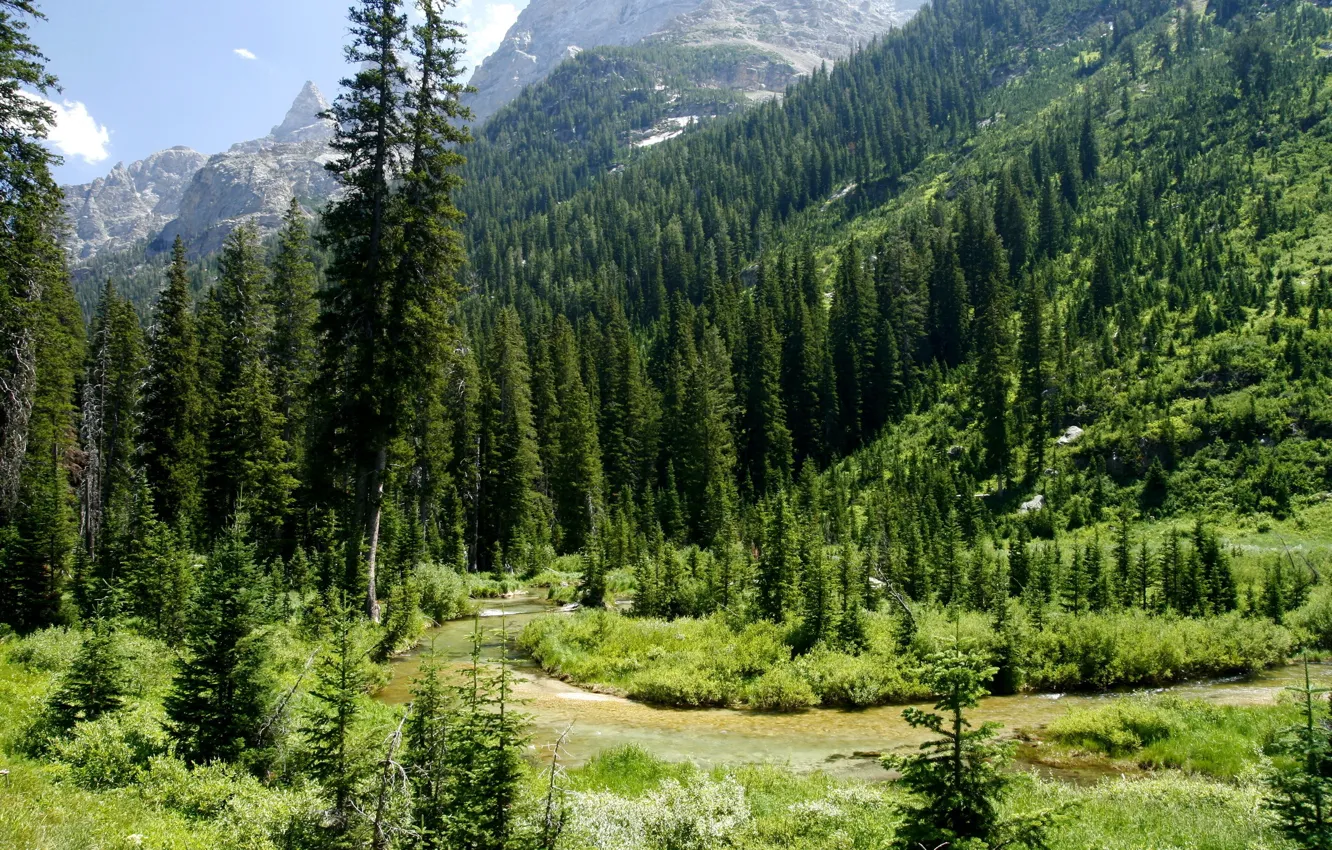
<point x="93" y="685"/>
<point x="1171" y="733"/>
<point x="221" y="690"/>
<point x="957" y="780"/>
<point x="444" y="593"/>
<point x="1299" y="792"/>
<point x="339" y="757"/>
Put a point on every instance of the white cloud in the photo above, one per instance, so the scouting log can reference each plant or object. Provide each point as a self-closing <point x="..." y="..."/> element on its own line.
<point x="244" y="54"/>
<point x="76" y="133"/>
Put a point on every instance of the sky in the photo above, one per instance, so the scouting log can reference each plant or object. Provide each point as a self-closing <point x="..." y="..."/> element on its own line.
<point x="142" y="75"/>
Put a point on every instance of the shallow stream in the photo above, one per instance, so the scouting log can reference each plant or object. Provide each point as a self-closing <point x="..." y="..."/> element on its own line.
<point x="838" y="741"/>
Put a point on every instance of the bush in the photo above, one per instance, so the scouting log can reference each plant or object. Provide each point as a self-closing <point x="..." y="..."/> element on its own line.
<point x="681" y="687"/>
<point x="698" y="815"/>
<point x="248" y="813"/>
<point x="48" y="650"/>
<point x="443" y="593"/>
<point x="113" y="751"/>
<point x="1313" y="619"/>
<point x="782" y="689"/>
<point x="489" y="587"/>
<point x="859" y="681"/>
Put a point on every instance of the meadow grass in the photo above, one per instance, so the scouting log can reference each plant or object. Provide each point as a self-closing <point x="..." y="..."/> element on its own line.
<point x="1165" y="732"/>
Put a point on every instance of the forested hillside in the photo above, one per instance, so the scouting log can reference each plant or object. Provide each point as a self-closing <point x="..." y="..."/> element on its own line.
<point x="1004" y="338"/>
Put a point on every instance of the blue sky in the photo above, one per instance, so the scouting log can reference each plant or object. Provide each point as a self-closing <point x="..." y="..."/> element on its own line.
<point x="142" y="75"/>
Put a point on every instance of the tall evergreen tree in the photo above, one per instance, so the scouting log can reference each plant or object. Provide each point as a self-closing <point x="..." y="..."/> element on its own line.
<point x="291" y="345"/>
<point x="173" y="424"/>
<point x="576" y="479"/>
<point x="394" y="246"/>
<point x="220" y="692"/>
<point x="248" y="461"/>
<point x="511" y="465"/>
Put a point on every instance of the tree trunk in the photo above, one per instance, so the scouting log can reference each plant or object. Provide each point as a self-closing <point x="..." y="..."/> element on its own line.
<point x="375" y="493"/>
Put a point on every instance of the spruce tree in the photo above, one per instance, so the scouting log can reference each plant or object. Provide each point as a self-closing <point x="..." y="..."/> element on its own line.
<point x="575" y="473"/>
<point x="173" y="424"/>
<point x="511" y="464"/>
<point x="1300" y="794"/>
<point x="426" y="757"/>
<point x="291" y="345"/>
<point x="248" y="463"/>
<point x="958" y="780"/>
<point x="109" y="415"/>
<point x="95" y="683"/>
<point x="220" y="692"/>
<point x="338" y="752"/>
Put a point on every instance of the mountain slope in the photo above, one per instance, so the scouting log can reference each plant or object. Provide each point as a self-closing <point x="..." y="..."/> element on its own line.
<point x="802" y="33"/>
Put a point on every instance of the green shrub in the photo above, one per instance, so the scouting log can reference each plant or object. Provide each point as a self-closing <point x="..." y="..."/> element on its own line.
<point x="680" y="686"/>
<point x="114" y="750"/>
<point x="489" y="587"/>
<point x="48" y="650"/>
<point x="782" y="689"/>
<point x="443" y="592"/>
<point x="859" y="681"/>
<point x="247" y="813"/>
<point x="1313" y="619"/>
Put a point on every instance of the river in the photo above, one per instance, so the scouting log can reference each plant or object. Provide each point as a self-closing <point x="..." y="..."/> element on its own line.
<point x="841" y="742"/>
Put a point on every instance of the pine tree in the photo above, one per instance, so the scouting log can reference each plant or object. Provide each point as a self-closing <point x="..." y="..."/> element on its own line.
<point x="484" y="755"/>
<point x="291" y="345"/>
<point x="41" y="340"/>
<point x="394" y="246"/>
<point x="426" y="757"/>
<point x="958" y="779"/>
<point x="95" y="683"/>
<point x="707" y="459"/>
<point x="576" y="480"/>
<point x="1301" y="793"/>
<point x="1032" y="376"/>
<point x="852" y="328"/>
<point x="766" y="450"/>
<point x="248" y="459"/>
<point x="779" y="562"/>
<point x="339" y="757"/>
<point x="511" y="462"/>
<point x="109" y="415"/>
<point x="220" y="692"/>
<point x="30" y="257"/>
<point x="173" y="424"/>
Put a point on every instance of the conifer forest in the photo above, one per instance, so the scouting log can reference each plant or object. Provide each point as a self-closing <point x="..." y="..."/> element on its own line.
<point x="938" y="455"/>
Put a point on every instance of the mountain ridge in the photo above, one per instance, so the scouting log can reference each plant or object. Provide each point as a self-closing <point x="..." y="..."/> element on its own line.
<point x="804" y="33"/>
<point x="180" y="191"/>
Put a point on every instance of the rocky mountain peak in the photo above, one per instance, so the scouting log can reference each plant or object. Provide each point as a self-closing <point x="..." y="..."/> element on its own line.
<point x="302" y="122"/>
<point x="178" y="191"/>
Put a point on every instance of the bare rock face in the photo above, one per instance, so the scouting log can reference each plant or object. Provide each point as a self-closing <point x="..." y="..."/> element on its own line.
<point x="803" y="33"/>
<point x="201" y="198"/>
<point x="255" y="181"/>
<point x="130" y="203"/>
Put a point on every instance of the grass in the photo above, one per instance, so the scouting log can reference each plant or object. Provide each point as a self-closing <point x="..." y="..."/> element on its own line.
<point x="819" y="812"/>
<point x="1222" y="742"/>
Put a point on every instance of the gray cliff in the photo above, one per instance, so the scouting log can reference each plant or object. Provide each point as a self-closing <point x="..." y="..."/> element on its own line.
<point x="803" y="33"/>
<point x="203" y="198"/>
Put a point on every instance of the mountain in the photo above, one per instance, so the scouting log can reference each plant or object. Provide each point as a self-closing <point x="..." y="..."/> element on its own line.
<point x="202" y="198"/>
<point x="801" y="34"/>
<point x="130" y="203"/>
